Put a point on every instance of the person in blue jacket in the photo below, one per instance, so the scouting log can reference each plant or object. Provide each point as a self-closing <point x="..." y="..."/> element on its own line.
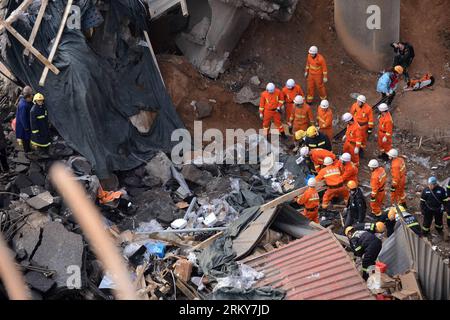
<point x="23" y="129"/>
<point x="388" y="83"/>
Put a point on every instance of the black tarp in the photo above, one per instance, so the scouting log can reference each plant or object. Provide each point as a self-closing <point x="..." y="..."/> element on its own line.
<point x="102" y="83"/>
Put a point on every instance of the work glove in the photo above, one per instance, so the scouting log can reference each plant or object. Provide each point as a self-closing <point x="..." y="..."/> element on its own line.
<point x="356" y="150"/>
<point x="344" y="137"/>
<point x="384" y="139"/>
<point x="306" y="74"/>
<point x="279" y="109"/>
<point x="325" y="80"/>
<point x="261" y="116"/>
<point x="369" y="131"/>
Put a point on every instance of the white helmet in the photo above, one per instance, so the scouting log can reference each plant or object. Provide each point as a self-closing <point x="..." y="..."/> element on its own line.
<point x="304" y="151"/>
<point x="312" y="182"/>
<point x="290" y="83"/>
<point x="383" y="107"/>
<point x="299" y="99"/>
<point x="313" y="50"/>
<point x="347" y="117"/>
<point x="346" y="157"/>
<point x="324" y="104"/>
<point x="393" y="153"/>
<point x="361" y="98"/>
<point x="270" y="87"/>
<point x="373" y="164"/>
<point x="327" y="161"/>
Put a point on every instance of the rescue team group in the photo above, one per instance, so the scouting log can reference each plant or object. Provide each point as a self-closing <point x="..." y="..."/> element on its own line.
<point x="341" y="174"/>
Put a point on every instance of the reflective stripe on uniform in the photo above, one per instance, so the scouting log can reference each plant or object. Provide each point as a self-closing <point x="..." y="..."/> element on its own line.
<point x="40" y="117"/>
<point x="40" y="145"/>
<point x="413" y="224"/>
<point x="358" y="248"/>
<point x="35" y="131"/>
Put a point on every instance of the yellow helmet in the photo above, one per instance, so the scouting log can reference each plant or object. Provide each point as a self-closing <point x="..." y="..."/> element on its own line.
<point x="38" y="97"/>
<point x="380" y="227"/>
<point x="312" y="132"/>
<point x="391" y="214"/>
<point x="352" y="184"/>
<point x="399" y="69"/>
<point x="300" y="134"/>
<point x="348" y="229"/>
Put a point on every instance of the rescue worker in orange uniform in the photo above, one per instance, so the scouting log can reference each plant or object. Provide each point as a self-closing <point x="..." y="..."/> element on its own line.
<point x="270" y="108"/>
<point x="363" y="114"/>
<point x="333" y="179"/>
<point x="310" y="200"/>
<point x="317" y="156"/>
<point x="377" y="183"/>
<point x="325" y="119"/>
<point x="348" y="169"/>
<point x="385" y="131"/>
<point x="316" y="73"/>
<point x="302" y="117"/>
<point x="290" y="91"/>
<point x="353" y="138"/>
<point x="398" y="171"/>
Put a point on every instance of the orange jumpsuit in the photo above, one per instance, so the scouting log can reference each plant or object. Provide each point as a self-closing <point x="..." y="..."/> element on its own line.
<point x="335" y="183"/>
<point x="349" y="171"/>
<point x="377" y="183"/>
<point x="318" y="155"/>
<point x="317" y="71"/>
<point x="385" y="129"/>
<point x="325" y="120"/>
<point x="310" y="200"/>
<point x="354" y="139"/>
<point x="302" y="118"/>
<point x="364" y="116"/>
<point x="288" y="97"/>
<point x="268" y="105"/>
<point x="398" y="171"/>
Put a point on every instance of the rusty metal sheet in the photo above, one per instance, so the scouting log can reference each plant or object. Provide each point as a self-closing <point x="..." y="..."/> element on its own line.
<point x="315" y="267"/>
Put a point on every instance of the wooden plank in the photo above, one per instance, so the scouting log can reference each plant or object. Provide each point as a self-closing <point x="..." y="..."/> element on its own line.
<point x="15" y="14"/>
<point x="184" y="8"/>
<point x="208" y="241"/>
<point x="147" y="39"/>
<point x="58" y="38"/>
<point x="37" y="24"/>
<point x="32" y="49"/>
<point x="4" y="69"/>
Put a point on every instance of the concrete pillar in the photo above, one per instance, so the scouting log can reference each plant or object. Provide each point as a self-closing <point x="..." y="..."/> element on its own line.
<point x="366" y="28"/>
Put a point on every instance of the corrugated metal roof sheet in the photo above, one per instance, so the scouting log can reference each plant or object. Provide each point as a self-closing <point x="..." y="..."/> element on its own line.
<point x="315" y="267"/>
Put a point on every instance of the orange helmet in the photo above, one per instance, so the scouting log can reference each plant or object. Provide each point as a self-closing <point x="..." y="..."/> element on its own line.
<point x="352" y="185"/>
<point x="380" y="227"/>
<point x="391" y="214"/>
<point x="399" y="69"/>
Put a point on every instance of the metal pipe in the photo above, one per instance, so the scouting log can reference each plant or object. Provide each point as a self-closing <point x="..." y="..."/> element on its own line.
<point x="185" y="230"/>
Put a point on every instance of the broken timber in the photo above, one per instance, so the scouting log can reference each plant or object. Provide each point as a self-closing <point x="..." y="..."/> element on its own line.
<point x="58" y="38"/>
<point x="28" y="46"/>
<point x="37" y="24"/>
<point x="15" y="14"/>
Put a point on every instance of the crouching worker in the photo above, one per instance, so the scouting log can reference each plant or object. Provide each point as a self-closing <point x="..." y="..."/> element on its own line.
<point x="366" y="245"/>
<point x="40" y="131"/>
<point x="310" y="200"/>
<point x="410" y="220"/>
<point x="356" y="207"/>
<point x="372" y="227"/>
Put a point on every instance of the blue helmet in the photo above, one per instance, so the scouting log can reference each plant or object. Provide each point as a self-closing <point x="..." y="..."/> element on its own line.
<point x="432" y="180"/>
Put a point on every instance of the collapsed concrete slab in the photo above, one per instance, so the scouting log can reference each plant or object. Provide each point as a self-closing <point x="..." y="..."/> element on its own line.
<point x="59" y="250"/>
<point x="28" y="237"/>
<point x="216" y="26"/>
<point x="159" y="167"/>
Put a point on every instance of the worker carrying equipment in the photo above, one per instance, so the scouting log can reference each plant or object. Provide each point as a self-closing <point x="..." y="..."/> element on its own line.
<point x="325" y="119"/>
<point x="377" y="183"/>
<point x="302" y="116"/>
<point x="418" y="84"/>
<point x="388" y="83"/>
<point x="270" y="105"/>
<point x="333" y="179"/>
<point x="290" y="92"/>
<point x="432" y="200"/>
<point x="316" y="139"/>
<point x="410" y="220"/>
<point x="348" y="169"/>
<point x="310" y="200"/>
<point x="366" y="245"/>
<point x="385" y="131"/>
<point x="317" y="156"/>
<point x="363" y="114"/>
<point x="356" y="207"/>
<point x="353" y="137"/>
<point x="316" y="73"/>
<point x="398" y="171"/>
<point x="39" y="125"/>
